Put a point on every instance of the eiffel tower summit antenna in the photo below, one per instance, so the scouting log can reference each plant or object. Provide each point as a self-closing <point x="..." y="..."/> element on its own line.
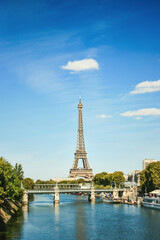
<point x="80" y="153"/>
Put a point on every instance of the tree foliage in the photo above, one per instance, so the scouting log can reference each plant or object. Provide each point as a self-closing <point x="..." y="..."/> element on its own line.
<point x="28" y="183"/>
<point x="106" y="179"/>
<point x="102" y="179"/>
<point x="10" y="180"/>
<point x="75" y="181"/>
<point x="45" y="182"/>
<point x="117" y="177"/>
<point x="150" y="177"/>
<point x="19" y="171"/>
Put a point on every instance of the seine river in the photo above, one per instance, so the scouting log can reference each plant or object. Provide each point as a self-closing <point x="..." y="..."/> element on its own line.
<point x="77" y="219"/>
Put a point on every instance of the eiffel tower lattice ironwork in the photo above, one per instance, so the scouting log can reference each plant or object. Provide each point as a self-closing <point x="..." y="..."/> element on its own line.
<point x="80" y="153"/>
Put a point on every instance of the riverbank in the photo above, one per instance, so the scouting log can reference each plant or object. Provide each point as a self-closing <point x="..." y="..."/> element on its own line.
<point x="8" y="208"/>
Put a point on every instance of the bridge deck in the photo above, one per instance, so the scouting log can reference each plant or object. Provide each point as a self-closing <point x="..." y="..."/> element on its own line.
<point x="52" y="191"/>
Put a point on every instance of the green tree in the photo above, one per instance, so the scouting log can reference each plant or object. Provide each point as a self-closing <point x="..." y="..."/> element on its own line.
<point x="28" y="183"/>
<point x="19" y="171"/>
<point x="39" y="181"/>
<point x="106" y="179"/>
<point x="101" y="178"/>
<point x="150" y="177"/>
<point x="45" y="182"/>
<point x="117" y="177"/>
<point x="10" y="181"/>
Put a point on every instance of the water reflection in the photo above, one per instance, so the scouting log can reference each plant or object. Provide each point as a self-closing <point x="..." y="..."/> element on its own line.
<point x="56" y="212"/>
<point x="56" y="224"/>
<point x="92" y="216"/>
<point x="76" y="219"/>
<point x="80" y="223"/>
<point x="13" y="229"/>
<point x="93" y="205"/>
<point x="25" y="210"/>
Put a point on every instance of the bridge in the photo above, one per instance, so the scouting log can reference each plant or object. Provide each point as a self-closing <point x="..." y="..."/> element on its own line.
<point x="68" y="188"/>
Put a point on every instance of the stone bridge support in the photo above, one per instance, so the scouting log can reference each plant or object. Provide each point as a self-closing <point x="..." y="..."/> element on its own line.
<point x="25" y="197"/>
<point x="116" y="193"/>
<point x="130" y="194"/>
<point x="56" y="195"/>
<point x="92" y="195"/>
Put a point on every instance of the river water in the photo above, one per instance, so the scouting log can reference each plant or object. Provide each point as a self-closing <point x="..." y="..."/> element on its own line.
<point x="77" y="219"/>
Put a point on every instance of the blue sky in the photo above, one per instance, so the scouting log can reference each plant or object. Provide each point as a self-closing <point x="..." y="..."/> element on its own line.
<point x="52" y="52"/>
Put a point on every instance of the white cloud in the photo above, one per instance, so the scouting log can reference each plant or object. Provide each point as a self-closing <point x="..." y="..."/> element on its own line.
<point x="104" y="116"/>
<point x="146" y="87"/>
<point x="81" y="65"/>
<point x="142" y="112"/>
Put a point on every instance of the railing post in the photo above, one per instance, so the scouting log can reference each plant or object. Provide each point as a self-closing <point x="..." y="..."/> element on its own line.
<point x="56" y="194"/>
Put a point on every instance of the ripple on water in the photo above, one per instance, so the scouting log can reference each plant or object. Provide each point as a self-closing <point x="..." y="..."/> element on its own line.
<point x="77" y="219"/>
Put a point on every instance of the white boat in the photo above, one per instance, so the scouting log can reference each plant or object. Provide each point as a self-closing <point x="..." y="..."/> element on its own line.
<point x="152" y="201"/>
<point x="111" y="200"/>
<point x="108" y="200"/>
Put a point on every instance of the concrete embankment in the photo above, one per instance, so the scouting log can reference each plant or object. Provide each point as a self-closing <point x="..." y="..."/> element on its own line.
<point x="7" y="210"/>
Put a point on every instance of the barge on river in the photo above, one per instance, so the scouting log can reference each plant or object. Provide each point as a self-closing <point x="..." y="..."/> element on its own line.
<point x="153" y="200"/>
<point x="111" y="200"/>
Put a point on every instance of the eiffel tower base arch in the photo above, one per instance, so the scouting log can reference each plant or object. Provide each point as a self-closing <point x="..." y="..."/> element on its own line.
<point x="84" y="173"/>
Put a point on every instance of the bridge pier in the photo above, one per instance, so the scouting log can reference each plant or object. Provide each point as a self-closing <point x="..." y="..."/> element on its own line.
<point x="130" y="194"/>
<point x="56" y="195"/>
<point x="25" y="197"/>
<point x="116" y="193"/>
<point x="91" y="196"/>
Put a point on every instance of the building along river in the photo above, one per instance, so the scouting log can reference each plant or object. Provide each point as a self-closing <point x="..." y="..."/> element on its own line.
<point x="77" y="219"/>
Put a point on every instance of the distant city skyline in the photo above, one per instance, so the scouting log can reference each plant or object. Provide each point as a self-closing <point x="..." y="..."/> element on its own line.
<point x="52" y="52"/>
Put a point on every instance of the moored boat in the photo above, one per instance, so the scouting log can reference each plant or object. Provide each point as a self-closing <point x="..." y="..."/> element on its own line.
<point x="153" y="200"/>
<point x="108" y="200"/>
<point x="111" y="200"/>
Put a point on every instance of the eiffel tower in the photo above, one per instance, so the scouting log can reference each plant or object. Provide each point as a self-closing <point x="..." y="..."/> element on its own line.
<point x="80" y="153"/>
